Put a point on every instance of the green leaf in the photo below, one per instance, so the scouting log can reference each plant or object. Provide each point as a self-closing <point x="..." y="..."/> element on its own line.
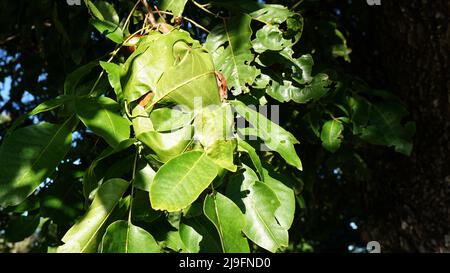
<point x="229" y="222"/>
<point x="114" y="72"/>
<point x="45" y="106"/>
<point x="102" y="116"/>
<point x="385" y="127"/>
<point x="167" y="119"/>
<point x="28" y="156"/>
<point x="180" y="181"/>
<point x="106" y="20"/>
<point x="222" y="153"/>
<point x="176" y="6"/>
<point x="141" y="121"/>
<point x="90" y="182"/>
<point x="144" y="176"/>
<point x="104" y="11"/>
<point x="199" y="235"/>
<point x="168" y="145"/>
<point x="214" y="123"/>
<point x="85" y="235"/>
<point x="259" y="204"/>
<point x="110" y="30"/>
<point x="142" y="210"/>
<point x="331" y="135"/>
<point x="124" y="237"/>
<point x="286" y="211"/>
<point x="73" y="79"/>
<point x="274" y="136"/>
<point x="287" y="92"/>
<point x="190" y="78"/>
<point x="230" y="47"/>
<point x="247" y="148"/>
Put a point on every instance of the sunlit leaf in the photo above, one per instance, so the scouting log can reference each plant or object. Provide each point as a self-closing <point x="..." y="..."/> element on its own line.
<point x="124" y="237"/>
<point x="229" y="222"/>
<point x="181" y="180"/>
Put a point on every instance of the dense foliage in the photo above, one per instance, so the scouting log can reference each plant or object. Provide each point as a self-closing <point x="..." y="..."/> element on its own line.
<point x="170" y="141"/>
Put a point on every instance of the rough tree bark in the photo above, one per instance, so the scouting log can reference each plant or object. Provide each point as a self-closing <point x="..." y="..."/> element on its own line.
<point x="410" y="197"/>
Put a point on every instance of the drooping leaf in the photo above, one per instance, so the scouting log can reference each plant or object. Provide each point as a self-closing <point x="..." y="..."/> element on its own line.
<point x="274" y="136"/>
<point x="229" y="222"/>
<point x="229" y="44"/>
<point x="85" y="235"/>
<point x="181" y="180"/>
<point x="102" y="116"/>
<point x="28" y="156"/>
<point x="124" y="237"/>
<point x="259" y="204"/>
<point x="331" y="135"/>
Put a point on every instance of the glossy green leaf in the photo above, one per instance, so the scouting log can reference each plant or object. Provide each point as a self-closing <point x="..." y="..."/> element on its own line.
<point x="331" y="135"/>
<point x="180" y="181"/>
<point x="85" y="235"/>
<point x="144" y="176"/>
<point x="114" y="72"/>
<point x="124" y="237"/>
<point x="199" y="235"/>
<point x="28" y="156"/>
<point x="106" y="20"/>
<point x="229" y="222"/>
<point x="243" y="146"/>
<point x="286" y="211"/>
<point x="274" y="136"/>
<point x="102" y="116"/>
<point x="176" y="6"/>
<point x="191" y="78"/>
<point x="168" y="145"/>
<point x="259" y="204"/>
<point x="229" y="44"/>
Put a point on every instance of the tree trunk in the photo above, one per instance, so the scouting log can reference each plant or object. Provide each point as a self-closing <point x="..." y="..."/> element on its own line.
<point x="410" y="196"/>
